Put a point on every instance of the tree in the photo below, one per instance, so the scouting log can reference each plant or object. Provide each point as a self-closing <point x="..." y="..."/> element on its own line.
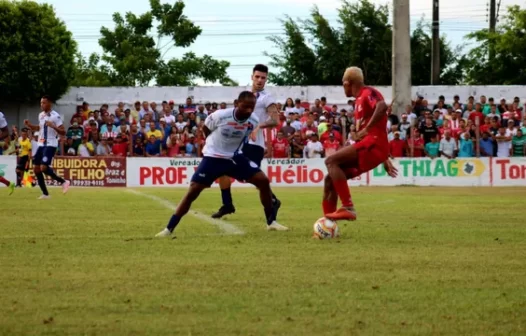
<point x="89" y="72"/>
<point x="509" y="40"/>
<point x="314" y="53"/>
<point x="450" y="59"/>
<point x="134" y="57"/>
<point x="37" y="52"/>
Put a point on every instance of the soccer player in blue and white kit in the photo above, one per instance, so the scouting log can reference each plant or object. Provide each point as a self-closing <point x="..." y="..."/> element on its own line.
<point x="4" y="136"/>
<point x="267" y="112"/>
<point x="50" y="127"/>
<point x="226" y="131"/>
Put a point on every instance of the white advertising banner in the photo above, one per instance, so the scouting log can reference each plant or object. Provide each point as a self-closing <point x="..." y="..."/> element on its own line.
<point x="165" y="172"/>
<point x="460" y="172"/>
<point x="8" y="168"/>
<point x="436" y="172"/>
<point x="509" y="172"/>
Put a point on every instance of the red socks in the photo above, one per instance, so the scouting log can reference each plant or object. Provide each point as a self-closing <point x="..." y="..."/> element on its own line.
<point x="343" y="191"/>
<point x="4" y="181"/>
<point x="329" y="206"/>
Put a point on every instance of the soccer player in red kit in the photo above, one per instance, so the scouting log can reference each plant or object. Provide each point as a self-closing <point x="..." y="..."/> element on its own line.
<point x="370" y="150"/>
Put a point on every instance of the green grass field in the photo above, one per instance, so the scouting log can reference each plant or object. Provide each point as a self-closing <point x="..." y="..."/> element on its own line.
<point x="419" y="261"/>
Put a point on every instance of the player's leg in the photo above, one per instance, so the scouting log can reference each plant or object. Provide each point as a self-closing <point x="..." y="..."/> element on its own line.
<point x="226" y="196"/>
<point x="206" y="173"/>
<point x="329" y="202"/>
<point x="7" y="183"/>
<point x="182" y="209"/>
<point x="330" y="196"/>
<point x="347" y="156"/>
<point x="245" y="170"/>
<point x="255" y="154"/>
<point x="20" y="169"/>
<point x="37" y="160"/>
<point x="46" y="168"/>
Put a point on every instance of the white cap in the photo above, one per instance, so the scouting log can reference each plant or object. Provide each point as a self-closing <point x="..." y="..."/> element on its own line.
<point x="459" y="111"/>
<point x="162" y="119"/>
<point x="322" y="118"/>
<point x="352" y="99"/>
<point x="36" y="134"/>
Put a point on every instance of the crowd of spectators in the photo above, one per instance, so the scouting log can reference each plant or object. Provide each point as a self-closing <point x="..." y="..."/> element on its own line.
<point x="455" y="129"/>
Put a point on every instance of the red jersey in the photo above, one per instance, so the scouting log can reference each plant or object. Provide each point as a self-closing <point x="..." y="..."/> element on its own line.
<point x="473" y="117"/>
<point x="418" y="142"/>
<point x="396" y="147"/>
<point x="120" y="149"/>
<point x="325" y="136"/>
<point x="331" y="147"/>
<point x="279" y="148"/>
<point x="364" y="108"/>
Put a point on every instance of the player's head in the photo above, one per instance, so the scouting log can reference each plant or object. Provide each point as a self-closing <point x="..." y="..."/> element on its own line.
<point x="259" y="76"/>
<point x="24" y="133"/>
<point x="246" y="105"/>
<point x="45" y="103"/>
<point x="352" y="81"/>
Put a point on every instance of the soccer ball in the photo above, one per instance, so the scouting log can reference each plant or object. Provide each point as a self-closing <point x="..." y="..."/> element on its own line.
<point x="325" y="229"/>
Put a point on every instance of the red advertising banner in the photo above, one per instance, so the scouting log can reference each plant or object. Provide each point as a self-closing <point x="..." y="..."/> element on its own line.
<point x="90" y="172"/>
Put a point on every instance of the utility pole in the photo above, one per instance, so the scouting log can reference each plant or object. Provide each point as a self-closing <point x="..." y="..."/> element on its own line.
<point x="492" y="24"/>
<point x="401" y="61"/>
<point x="435" y="46"/>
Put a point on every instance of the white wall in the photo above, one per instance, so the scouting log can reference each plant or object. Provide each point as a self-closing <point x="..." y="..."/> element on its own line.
<point x="334" y="94"/>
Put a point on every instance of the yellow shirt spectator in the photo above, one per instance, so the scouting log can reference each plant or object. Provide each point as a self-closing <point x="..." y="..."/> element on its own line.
<point x="157" y="134"/>
<point x="25" y="147"/>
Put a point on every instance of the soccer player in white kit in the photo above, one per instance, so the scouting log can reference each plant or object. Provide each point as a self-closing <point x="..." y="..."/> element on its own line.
<point x="226" y="132"/>
<point x="267" y="112"/>
<point x="4" y="136"/>
<point x="50" y="127"/>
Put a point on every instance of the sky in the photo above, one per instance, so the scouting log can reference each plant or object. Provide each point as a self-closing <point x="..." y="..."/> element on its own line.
<point x="237" y="30"/>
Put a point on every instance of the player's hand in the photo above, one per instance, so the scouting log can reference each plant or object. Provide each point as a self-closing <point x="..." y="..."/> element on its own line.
<point x="26" y="122"/>
<point x="360" y="135"/>
<point x="390" y="168"/>
<point x="254" y="133"/>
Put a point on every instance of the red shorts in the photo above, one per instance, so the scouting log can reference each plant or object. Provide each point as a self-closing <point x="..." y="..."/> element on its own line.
<point x="371" y="153"/>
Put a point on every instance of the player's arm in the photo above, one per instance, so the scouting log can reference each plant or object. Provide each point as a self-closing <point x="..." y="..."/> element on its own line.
<point x="379" y="112"/>
<point x="59" y="129"/>
<point x="31" y="126"/>
<point x="210" y="124"/>
<point x="273" y="117"/>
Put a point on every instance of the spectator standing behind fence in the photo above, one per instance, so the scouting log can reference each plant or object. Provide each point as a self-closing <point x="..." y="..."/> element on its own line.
<point x="86" y="149"/>
<point x="103" y="149"/>
<point x="465" y="148"/>
<point x="280" y="146"/>
<point x="331" y="145"/>
<point x="486" y="145"/>
<point x="503" y="143"/>
<point x="432" y="148"/>
<point x="428" y="130"/>
<point x="416" y="143"/>
<point x="448" y="146"/>
<point x="314" y="148"/>
<point x="397" y="146"/>
<point x="518" y="143"/>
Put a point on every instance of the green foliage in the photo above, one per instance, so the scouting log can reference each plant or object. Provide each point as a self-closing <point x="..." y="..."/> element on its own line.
<point x="451" y="72"/>
<point x="133" y="56"/>
<point x="37" y="52"/>
<point x="508" y="67"/>
<point x="362" y="38"/>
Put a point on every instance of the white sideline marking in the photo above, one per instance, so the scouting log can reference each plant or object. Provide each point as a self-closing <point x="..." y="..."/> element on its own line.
<point x="226" y="227"/>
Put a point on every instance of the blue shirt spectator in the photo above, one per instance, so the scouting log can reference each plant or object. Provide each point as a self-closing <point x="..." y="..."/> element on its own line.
<point x="466" y="147"/>
<point x="153" y="147"/>
<point x="486" y="145"/>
